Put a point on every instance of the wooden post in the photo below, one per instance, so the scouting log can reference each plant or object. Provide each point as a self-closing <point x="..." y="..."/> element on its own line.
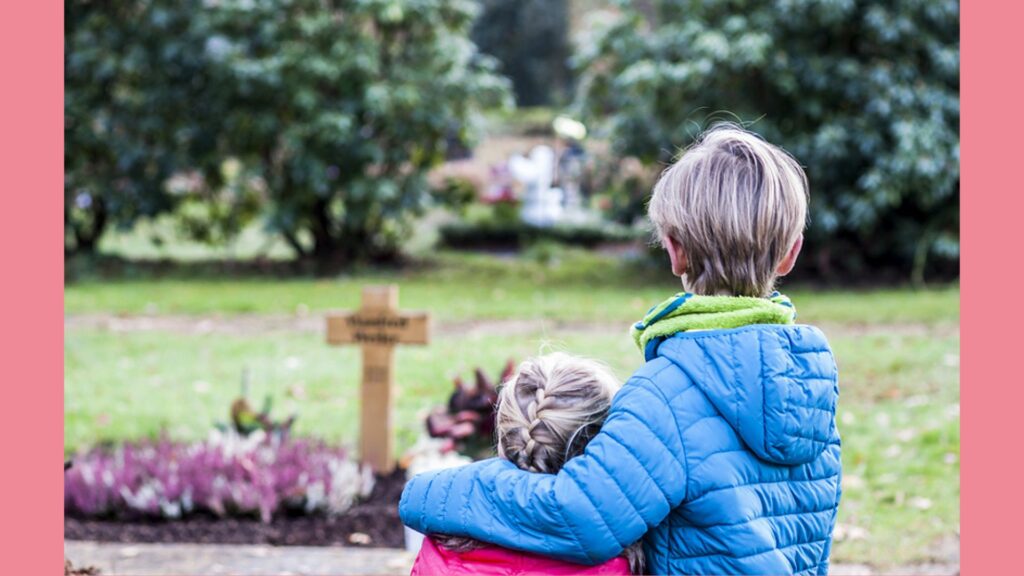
<point x="378" y="327"/>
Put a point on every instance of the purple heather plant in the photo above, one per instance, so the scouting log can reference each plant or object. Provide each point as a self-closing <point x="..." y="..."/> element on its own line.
<point x="226" y="474"/>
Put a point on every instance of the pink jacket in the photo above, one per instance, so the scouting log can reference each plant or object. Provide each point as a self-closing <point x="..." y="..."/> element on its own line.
<point x="494" y="561"/>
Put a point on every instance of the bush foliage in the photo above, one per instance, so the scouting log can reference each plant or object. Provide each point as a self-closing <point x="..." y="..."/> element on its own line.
<point x="514" y="235"/>
<point x="342" y="107"/>
<point x="328" y="114"/>
<point x="864" y="93"/>
<point x="132" y="80"/>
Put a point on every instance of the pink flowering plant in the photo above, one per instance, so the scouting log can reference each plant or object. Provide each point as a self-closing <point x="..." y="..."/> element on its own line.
<point x="227" y="474"/>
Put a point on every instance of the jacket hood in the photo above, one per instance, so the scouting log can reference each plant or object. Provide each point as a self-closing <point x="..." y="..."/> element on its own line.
<point x="776" y="385"/>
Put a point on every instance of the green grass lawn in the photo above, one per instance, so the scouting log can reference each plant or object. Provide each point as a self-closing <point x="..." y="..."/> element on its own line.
<point x="898" y="352"/>
<point x="575" y="286"/>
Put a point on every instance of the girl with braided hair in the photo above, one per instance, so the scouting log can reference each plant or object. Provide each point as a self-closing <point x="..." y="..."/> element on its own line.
<point x="547" y="412"/>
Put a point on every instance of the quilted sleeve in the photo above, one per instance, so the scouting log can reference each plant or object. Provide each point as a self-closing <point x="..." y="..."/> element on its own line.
<point x="629" y="478"/>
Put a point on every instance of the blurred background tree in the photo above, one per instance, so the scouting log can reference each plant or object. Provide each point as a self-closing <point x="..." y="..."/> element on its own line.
<point x="342" y="107"/>
<point x="132" y="74"/>
<point x="531" y="40"/>
<point x="864" y="93"/>
<point x="323" y="117"/>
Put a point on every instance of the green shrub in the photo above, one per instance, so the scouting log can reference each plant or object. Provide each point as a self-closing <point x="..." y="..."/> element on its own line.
<point x="864" y="93"/>
<point x="344" y="107"/>
<point x="133" y="72"/>
<point x="335" y="111"/>
<point x="515" y="235"/>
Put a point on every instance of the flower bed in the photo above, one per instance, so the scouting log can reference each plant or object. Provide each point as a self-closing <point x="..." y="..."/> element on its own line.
<point x="371" y="522"/>
<point x="264" y="487"/>
<point x="227" y="474"/>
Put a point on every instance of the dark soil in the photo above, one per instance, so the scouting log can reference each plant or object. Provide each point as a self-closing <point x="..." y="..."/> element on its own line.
<point x="374" y="522"/>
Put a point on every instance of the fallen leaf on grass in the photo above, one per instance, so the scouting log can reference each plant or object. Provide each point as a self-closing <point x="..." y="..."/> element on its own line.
<point x="892" y="394"/>
<point x="848" y="532"/>
<point x="851" y="481"/>
<point x="906" y="435"/>
<point x="920" y="503"/>
<point x="882" y="420"/>
<point x="915" y="401"/>
<point x="297" y="391"/>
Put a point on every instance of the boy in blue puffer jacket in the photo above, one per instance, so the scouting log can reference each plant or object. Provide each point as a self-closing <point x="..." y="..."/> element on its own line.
<point x="721" y="451"/>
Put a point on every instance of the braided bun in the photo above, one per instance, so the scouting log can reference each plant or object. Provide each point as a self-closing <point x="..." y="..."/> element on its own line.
<point x="548" y="411"/>
<point x="550" y="408"/>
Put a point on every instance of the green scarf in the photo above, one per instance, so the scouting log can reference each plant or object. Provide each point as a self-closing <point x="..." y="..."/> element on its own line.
<point x="684" y="312"/>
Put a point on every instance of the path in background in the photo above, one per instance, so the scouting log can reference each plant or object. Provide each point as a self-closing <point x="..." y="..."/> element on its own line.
<point x="257" y="324"/>
<point x="209" y="560"/>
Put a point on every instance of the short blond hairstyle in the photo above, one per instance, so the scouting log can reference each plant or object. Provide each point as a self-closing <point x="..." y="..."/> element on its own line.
<point x="736" y="205"/>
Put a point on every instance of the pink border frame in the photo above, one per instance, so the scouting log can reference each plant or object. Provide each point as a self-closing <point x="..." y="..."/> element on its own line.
<point x="31" y="250"/>
<point x="991" y="221"/>
<point x="31" y="145"/>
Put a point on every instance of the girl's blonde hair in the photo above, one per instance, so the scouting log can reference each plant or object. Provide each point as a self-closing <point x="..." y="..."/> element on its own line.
<point x="550" y="409"/>
<point x="736" y="205"/>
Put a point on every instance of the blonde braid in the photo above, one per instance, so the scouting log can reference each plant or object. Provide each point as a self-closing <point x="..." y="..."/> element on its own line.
<point x="547" y="413"/>
<point x="531" y="434"/>
<point x="550" y="408"/>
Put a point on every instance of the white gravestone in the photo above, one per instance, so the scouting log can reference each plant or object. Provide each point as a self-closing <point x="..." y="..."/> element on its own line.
<point x="542" y="204"/>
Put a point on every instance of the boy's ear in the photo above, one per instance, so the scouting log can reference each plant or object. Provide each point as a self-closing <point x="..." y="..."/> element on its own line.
<point x="789" y="260"/>
<point x="676" y="255"/>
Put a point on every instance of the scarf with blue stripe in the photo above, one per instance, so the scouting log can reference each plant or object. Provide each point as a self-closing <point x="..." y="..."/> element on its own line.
<point x="685" y="311"/>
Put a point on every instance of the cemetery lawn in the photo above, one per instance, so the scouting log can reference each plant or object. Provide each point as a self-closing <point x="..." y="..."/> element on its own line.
<point x="898" y="353"/>
<point x="565" y="285"/>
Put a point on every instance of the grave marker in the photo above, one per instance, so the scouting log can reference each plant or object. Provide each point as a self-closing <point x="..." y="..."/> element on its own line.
<point x="378" y="327"/>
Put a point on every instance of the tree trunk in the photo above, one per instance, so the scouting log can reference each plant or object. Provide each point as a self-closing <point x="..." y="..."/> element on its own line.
<point x="300" y="251"/>
<point x="87" y="236"/>
<point x="337" y="245"/>
<point x="823" y="259"/>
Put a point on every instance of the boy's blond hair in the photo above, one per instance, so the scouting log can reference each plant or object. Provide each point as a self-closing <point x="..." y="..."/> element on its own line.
<point x="736" y="205"/>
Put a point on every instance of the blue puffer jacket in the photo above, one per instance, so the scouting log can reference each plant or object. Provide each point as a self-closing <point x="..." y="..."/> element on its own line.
<point x="721" y="452"/>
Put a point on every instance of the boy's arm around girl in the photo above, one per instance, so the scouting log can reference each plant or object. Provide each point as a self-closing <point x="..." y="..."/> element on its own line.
<point x="628" y="480"/>
<point x="731" y="431"/>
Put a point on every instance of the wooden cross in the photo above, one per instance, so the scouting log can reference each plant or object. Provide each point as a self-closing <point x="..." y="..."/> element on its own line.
<point x="378" y="327"/>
